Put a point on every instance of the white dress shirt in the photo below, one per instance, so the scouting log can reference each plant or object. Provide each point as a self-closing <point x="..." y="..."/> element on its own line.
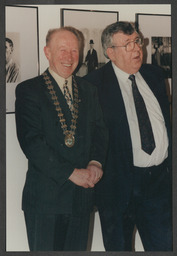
<point x="141" y="158"/>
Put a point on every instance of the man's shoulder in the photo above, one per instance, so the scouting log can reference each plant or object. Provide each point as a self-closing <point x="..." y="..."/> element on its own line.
<point x="98" y="75"/>
<point x="84" y="84"/>
<point x="148" y="68"/>
<point x="30" y="84"/>
<point x="153" y="75"/>
<point x="32" y="80"/>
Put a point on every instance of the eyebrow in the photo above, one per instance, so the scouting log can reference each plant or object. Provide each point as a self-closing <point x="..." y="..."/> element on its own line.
<point x="128" y="40"/>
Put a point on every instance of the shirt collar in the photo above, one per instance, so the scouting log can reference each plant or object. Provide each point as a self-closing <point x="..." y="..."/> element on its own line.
<point x="120" y="73"/>
<point x="60" y="80"/>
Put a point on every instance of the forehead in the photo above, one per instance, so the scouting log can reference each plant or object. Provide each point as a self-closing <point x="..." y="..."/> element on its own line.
<point x="64" y="35"/>
<point x="8" y="47"/>
<point x="120" y="36"/>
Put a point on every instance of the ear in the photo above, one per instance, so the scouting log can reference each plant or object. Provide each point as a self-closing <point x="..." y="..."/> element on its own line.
<point x="47" y="52"/>
<point x="111" y="54"/>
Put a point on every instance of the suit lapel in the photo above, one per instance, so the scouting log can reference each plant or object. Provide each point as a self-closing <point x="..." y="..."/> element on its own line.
<point x="114" y="92"/>
<point x="152" y="82"/>
<point x="149" y="78"/>
<point x="116" y="113"/>
<point x="82" y="104"/>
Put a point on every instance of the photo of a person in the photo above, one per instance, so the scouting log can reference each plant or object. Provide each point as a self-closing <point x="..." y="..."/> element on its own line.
<point x="12" y="68"/>
<point x="91" y="58"/>
<point x="161" y="54"/>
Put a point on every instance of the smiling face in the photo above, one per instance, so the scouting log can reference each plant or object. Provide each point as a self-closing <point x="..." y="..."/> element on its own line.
<point x="62" y="53"/>
<point x="129" y="62"/>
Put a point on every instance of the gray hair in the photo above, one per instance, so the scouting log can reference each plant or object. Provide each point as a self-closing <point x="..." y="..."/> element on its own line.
<point x="107" y="34"/>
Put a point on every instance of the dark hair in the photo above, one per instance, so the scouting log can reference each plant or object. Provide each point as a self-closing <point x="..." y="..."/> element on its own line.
<point x="10" y="42"/>
<point x="107" y="34"/>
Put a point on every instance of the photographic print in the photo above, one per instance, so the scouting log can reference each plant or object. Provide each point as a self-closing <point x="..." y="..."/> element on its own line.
<point x="22" y="60"/>
<point x="161" y="54"/>
<point x="12" y="44"/>
<point x="92" y="25"/>
<point x="157" y="42"/>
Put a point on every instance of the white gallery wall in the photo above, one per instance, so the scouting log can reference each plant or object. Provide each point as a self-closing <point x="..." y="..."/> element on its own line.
<point x="49" y="17"/>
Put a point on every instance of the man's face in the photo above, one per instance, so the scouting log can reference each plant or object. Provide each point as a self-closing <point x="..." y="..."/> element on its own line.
<point x="8" y="51"/>
<point x="62" y="53"/>
<point x="129" y="62"/>
<point x="91" y="46"/>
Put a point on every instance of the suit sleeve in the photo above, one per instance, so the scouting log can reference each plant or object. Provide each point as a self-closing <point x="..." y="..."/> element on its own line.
<point x="100" y="135"/>
<point x="42" y="157"/>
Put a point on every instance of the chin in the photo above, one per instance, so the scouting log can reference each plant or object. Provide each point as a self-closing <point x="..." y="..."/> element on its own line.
<point x="137" y="67"/>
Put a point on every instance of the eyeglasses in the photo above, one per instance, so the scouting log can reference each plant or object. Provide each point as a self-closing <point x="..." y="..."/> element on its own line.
<point x="131" y="45"/>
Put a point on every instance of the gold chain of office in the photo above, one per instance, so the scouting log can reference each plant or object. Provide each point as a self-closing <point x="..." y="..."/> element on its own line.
<point x="69" y="138"/>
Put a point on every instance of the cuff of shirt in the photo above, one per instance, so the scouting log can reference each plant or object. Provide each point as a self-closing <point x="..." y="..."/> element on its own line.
<point x="96" y="163"/>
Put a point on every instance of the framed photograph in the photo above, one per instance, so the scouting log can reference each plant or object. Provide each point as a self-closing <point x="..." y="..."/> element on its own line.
<point x="22" y="49"/>
<point x="92" y="25"/>
<point x="157" y="41"/>
<point x="13" y="162"/>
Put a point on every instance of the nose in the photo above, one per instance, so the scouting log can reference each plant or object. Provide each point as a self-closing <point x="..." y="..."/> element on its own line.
<point x="67" y="55"/>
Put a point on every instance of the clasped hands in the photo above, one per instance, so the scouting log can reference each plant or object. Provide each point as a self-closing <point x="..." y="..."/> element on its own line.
<point x="88" y="177"/>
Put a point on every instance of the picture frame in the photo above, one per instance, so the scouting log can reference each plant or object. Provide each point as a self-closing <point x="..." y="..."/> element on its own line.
<point x="157" y="42"/>
<point x="92" y="25"/>
<point x="23" y="56"/>
<point x="3" y="145"/>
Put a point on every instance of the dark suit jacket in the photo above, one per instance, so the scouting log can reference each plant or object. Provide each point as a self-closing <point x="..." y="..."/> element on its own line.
<point x="115" y="187"/>
<point x="50" y="162"/>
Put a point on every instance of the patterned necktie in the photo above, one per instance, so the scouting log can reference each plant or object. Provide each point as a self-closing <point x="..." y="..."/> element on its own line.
<point x="67" y="96"/>
<point x="146" y="133"/>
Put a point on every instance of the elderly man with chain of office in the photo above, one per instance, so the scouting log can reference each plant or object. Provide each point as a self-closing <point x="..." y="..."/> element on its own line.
<point x="136" y="186"/>
<point x="61" y="131"/>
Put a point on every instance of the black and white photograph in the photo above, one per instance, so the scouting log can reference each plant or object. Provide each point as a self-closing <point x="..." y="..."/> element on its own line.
<point x="12" y="42"/>
<point x="153" y="25"/>
<point x="22" y="56"/>
<point x="92" y="25"/>
<point x="157" y="43"/>
<point x="161" y="54"/>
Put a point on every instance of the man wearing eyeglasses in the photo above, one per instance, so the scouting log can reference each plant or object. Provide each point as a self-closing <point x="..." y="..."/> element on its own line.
<point x="135" y="190"/>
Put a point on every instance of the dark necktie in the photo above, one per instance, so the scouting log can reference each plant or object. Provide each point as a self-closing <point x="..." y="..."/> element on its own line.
<point x="68" y="96"/>
<point x="146" y="133"/>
